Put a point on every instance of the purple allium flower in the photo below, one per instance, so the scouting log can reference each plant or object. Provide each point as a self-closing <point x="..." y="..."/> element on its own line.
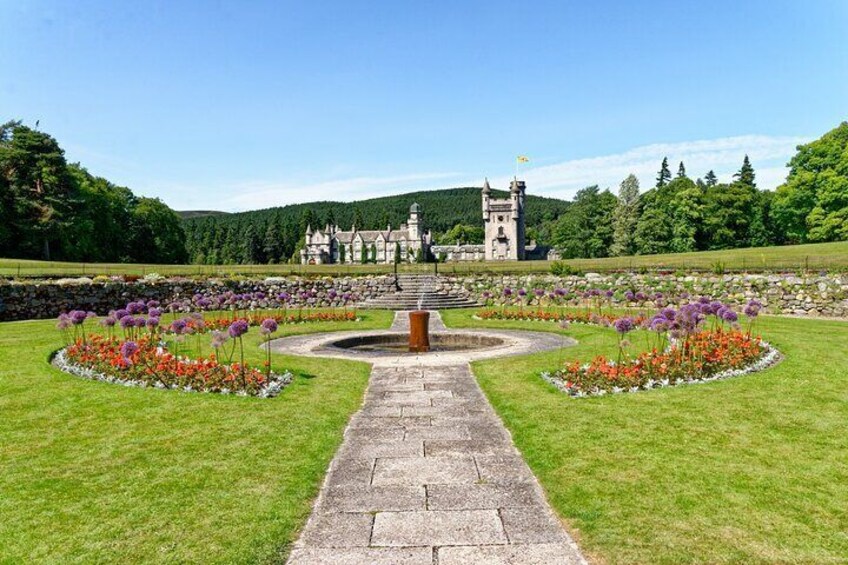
<point x="609" y="293"/>
<point x="727" y="314"/>
<point x="78" y="317"/>
<point x="752" y="309"/>
<point x="522" y="292"/>
<point x="332" y="294"/>
<point x="507" y="291"/>
<point x="238" y="328"/>
<point x="268" y="326"/>
<point x="135" y="307"/>
<point x="704" y="299"/>
<point x="629" y="296"/>
<point x="560" y="292"/>
<point x="108" y="322"/>
<point x="219" y="338"/>
<point x="283" y="297"/>
<point x="119" y="314"/>
<point x="641" y="296"/>
<point x="539" y="292"/>
<point x="152" y="304"/>
<point x="127" y="322"/>
<point x="155" y="312"/>
<point x="624" y="325"/>
<point x="64" y="322"/>
<point x="178" y="326"/>
<point x="127" y="349"/>
<point x="152" y="322"/>
<point x="140" y="322"/>
<point x="659" y="325"/>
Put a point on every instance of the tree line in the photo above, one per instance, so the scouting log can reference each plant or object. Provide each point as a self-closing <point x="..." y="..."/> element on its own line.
<point x="50" y="209"/>
<point x="275" y="235"/>
<point x="679" y="214"/>
<point x="53" y="210"/>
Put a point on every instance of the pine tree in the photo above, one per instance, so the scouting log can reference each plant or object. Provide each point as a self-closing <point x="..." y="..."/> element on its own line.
<point x="710" y="178"/>
<point x="746" y="173"/>
<point x="397" y="252"/>
<point x="681" y="171"/>
<point x="342" y="253"/>
<point x="272" y="244"/>
<point x="664" y="175"/>
<point x="625" y="218"/>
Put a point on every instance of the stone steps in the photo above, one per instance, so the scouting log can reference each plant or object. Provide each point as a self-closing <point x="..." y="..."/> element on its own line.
<point x="418" y="291"/>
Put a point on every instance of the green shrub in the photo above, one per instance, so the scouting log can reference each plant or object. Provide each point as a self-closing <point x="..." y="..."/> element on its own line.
<point x="563" y="269"/>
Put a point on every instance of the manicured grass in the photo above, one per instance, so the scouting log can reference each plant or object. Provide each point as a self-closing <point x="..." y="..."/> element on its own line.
<point x="747" y="470"/>
<point x="94" y="472"/>
<point x="816" y="256"/>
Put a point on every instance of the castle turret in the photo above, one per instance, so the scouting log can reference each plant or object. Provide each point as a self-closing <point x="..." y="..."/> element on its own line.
<point x="414" y="224"/>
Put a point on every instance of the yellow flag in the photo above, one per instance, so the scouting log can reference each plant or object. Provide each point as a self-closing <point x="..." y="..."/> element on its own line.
<point x="522" y="159"/>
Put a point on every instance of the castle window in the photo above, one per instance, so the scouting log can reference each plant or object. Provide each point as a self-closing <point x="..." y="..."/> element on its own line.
<point x="500" y="218"/>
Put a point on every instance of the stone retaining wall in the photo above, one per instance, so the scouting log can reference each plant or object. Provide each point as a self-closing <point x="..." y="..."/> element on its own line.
<point x="813" y="295"/>
<point x="47" y="299"/>
<point x="824" y="295"/>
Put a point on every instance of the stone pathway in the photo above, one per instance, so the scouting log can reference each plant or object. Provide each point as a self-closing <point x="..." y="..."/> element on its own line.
<point x="427" y="474"/>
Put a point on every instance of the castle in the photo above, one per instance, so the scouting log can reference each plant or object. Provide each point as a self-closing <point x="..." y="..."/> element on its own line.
<point x="503" y="221"/>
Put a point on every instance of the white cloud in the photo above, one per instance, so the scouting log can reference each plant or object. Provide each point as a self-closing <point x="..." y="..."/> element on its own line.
<point x="724" y="156"/>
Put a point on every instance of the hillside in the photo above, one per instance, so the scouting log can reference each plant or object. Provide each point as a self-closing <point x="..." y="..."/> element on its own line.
<point x="189" y="214"/>
<point x="274" y="233"/>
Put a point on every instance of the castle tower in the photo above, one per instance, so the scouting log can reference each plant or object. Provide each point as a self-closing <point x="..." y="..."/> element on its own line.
<point x="415" y="223"/>
<point x="503" y="221"/>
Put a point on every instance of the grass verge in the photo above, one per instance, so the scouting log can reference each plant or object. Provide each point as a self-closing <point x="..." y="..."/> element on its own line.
<point x="95" y="472"/>
<point x="752" y="469"/>
<point x="812" y="256"/>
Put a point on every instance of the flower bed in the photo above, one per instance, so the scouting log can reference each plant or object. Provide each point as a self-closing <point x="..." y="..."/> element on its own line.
<point x="699" y="357"/>
<point x="577" y="317"/>
<point x="146" y="362"/>
<point x="697" y="342"/>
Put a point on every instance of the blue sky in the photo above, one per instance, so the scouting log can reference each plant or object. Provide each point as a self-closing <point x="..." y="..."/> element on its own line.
<point x="242" y="105"/>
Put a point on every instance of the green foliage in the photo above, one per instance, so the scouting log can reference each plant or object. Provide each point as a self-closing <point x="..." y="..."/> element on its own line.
<point x="51" y="209"/>
<point x="462" y="234"/>
<point x="563" y="269"/>
<point x="813" y="203"/>
<point x="664" y="175"/>
<point x="626" y="218"/>
<point x="585" y="229"/>
<point x="443" y="211"/>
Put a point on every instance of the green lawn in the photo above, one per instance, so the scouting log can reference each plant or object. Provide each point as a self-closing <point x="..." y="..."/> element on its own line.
<point x="816" y="256"/>
<point x="747" y="470"/>
<point x="94" y="472"/>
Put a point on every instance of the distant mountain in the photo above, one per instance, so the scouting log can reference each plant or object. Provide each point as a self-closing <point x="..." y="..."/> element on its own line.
<point x="216" y="237"/>
<point x="188" y="214"/>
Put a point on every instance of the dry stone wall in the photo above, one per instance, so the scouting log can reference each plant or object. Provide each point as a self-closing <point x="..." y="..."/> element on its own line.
<point x="47" y="299"/>
<point x="808" y="295"/>
<point x="824" y="295"/>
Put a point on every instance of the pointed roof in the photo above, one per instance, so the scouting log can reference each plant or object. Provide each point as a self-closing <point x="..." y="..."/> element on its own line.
<point x="486" y="188"/>
<point x="513" y="186"/>
<point x="415" y="208"/>
<point x="308" y="229"/>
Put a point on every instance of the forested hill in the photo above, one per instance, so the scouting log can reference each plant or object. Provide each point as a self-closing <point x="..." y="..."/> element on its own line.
<point x="275" y="233"/>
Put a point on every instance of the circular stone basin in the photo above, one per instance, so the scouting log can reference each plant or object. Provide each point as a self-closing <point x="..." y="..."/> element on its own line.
<point x="399" y="343"/>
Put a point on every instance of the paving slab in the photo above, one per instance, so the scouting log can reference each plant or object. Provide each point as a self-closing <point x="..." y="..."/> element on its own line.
<point x="471" y="527"/>
<point x="482" y="496"/>
<point x="368" y="498"/>
<point x="513" y="554"/>
<point x="362" y="556"/>
<point x="424" y="471"/>
<point x="427" y="473"/>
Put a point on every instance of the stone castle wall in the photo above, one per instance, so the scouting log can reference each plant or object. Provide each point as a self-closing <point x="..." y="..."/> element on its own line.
<point x="811" y="295"/>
